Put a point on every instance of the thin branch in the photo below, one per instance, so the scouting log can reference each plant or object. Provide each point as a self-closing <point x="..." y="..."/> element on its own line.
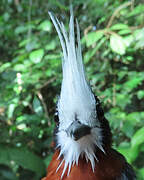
<point x="136" y="27"/>
<point x="29" y="19"/>
<point x="31" y="108"/>
<point x="87" y="30"/>
<point x="48" y="82"/>
<point x="114" y="94"/>
<point x="16" y="2"/>
<point x="117" y="11"/>
<point x="44" y="106"/>
<point x="132" y="4"/>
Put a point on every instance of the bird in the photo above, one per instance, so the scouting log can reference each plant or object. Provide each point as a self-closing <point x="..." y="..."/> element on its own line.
<point x="82" y="137"/>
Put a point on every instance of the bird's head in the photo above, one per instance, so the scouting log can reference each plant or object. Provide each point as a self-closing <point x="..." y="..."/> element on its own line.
<point x="79" y="131"/>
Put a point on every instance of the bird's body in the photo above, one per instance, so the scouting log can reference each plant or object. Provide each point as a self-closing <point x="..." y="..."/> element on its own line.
<point x="109" y="167"/>
<point x="83" y="138"/>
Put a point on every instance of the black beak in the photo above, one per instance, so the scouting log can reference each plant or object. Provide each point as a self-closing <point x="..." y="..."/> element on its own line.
<point x="77" y="130"/>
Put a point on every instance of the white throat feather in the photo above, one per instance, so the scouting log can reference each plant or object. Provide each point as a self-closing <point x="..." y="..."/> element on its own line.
<point x="85" y="147"/>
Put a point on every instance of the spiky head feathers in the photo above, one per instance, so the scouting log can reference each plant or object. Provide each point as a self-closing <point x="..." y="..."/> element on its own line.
<point x="76" y="102"/>
<point x="76" y="97"/>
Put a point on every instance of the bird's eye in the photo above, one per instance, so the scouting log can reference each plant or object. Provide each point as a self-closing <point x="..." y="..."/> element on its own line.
<point x="97" y="100"/>
<point x="56" y="118"/>
<point x="98" y="107"/>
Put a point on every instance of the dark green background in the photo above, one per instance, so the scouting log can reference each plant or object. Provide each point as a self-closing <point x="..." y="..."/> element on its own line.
<point x="112" y="34"/>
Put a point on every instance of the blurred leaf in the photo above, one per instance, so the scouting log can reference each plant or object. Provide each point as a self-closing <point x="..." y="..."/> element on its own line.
<point x="141" y="171"/>
<point x="29" y="119"/>
<point x="114" y="65"/>
<point x="119" y="26"/>
<point x="19" y="67"/>
<point x="140" y="94"/>
<point x="33" y="44"/>
<point x="24" y="42"/>
<point x="21" y="29"/>
<point x="36" y="56"/>
<point x="23" y="157"/>
<point x="45" y="26"/>
<point x="122" y="100"/>
<point x="140" y="44"/>
<point x="133" y="83"/>
<point x="51" y="45"/>
<point x="6" y="173"/>
<point x="52" y="56"/>
<point x="11" y="109"/>
<point x="6" y="16"/>
<point x="4" y="66"/>
<point x="130" y="153"/>
<point x="128" y="40"/>
<point x="138" y="137"/>
<point x="117" y="44"/>
<point x="137" y="10"/>
<point x="92" y="52"/>
<point x="139" y="36"/>
<point x="128" y="129"/>
<point x="37" y="106"/>
<point x="93" y="37"/>
<point x="9" y="75"/>
<point x="133" y="118"/>
<point x="124" y="32"/>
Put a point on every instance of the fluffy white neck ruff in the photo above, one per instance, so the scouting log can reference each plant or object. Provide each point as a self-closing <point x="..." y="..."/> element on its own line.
<point x="84" y="147"/>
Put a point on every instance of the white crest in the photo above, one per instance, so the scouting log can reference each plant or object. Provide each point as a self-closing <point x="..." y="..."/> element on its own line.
<point x="76" y="96"/>
<point x="76" y="99"/>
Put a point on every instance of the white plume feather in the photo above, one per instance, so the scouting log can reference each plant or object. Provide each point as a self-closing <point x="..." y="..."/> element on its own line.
<point x="76" y="98"/>
<point x="76" y="95"/>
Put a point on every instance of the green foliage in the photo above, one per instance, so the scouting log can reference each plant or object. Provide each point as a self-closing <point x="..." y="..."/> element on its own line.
<point x="112" y="34"/>
<point x="22" y="157"/>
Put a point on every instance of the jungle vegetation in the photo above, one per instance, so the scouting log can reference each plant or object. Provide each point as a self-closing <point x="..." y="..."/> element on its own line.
<point x="112" y="38"/>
